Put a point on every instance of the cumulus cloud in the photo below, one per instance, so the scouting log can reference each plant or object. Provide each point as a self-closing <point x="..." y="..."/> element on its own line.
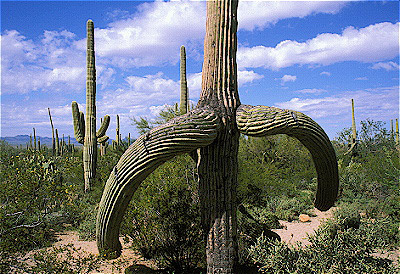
<point x="287" y="78"/>
<point x="325" y="73"/>
<point x="314" y="91"/>
<point x="361" y="78"/>
<point x="256" y="15"/>
<point x="386" y="66"/>
<point x="377" y="103"/>
<point x="50" y="64"/>
<point x="374" y="43"/>
<point x="153" y="35"/>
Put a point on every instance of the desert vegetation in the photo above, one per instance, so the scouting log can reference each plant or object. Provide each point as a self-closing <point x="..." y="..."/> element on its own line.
<point x="42" y="194"/>
<point x="202" y="188"/>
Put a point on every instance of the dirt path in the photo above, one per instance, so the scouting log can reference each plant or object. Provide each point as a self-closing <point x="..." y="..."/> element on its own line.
<point x="297" y="231"/>
<point x="128" y="257"/>
<point x="292" y="232"/>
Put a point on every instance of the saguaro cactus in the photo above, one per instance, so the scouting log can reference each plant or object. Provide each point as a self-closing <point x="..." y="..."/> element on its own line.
<point x="52" y="134"/>
<point x="353" y="138"/>
<point x="57" y="145"/>
<point x="213" y="127"/>
<point x="397" y="132"/>
<point x="184" y="89"/>
<point x="85" y="131"/>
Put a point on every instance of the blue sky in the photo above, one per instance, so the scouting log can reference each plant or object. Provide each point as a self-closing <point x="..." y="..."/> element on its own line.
<point x="311" y="57"/>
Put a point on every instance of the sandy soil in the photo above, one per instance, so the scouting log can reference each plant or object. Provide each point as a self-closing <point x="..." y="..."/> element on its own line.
<point x="292" y="232"/>
<point x="297" y="231"/>
<point x="128" y="257"/>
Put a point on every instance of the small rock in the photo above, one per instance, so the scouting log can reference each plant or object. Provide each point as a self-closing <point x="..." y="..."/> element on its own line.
<point x="304" y="218"/>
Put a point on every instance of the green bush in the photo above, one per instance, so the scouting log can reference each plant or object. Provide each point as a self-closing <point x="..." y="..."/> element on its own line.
<point x="163" y="219"/>
<point x="331" y="251"/>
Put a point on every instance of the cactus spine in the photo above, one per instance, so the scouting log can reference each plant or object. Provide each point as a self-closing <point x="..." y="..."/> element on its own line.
<point x="85" y="131"/>
<point x="184" y="88"/>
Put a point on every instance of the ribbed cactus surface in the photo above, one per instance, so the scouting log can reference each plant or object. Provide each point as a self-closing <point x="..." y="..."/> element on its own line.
<point x="213" y="129"/>
<point x="184" y="89"/>
<point x="85" y="129"/>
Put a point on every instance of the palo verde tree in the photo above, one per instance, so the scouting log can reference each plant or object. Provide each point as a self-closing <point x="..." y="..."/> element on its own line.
<point x="213" y="129"/>
<point x="85" y="131"/>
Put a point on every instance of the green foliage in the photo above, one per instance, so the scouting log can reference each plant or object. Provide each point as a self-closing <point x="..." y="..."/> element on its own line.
<point x="63" y="259"/>
<point x="163" y="218"/>
<point x="333" y="249"/>
<point x="273" y="166"/>
<point x="33" y="193"/>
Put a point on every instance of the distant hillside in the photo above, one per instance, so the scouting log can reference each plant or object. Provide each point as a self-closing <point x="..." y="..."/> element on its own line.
<point x="24" y="139"/>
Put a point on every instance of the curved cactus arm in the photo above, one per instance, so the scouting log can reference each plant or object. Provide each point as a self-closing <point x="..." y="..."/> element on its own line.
<point x="103" y="128"/>
<point x="263" y="121"/>
<point x="79" y="127"/>
<point x="183" y="134"/>
<point x="102" y="139"/>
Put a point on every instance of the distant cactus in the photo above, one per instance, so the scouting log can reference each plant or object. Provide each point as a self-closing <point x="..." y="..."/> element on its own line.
<point x="52" y="134"/>
<point x="397" y="132"/>
<point x="184" y="88"/>
<point x="57" y="150"/>
<point x="85" y="131"/>
<point x="117" y="136"/>
<point x="353" y="139"/>
<point x="34" y="139"/>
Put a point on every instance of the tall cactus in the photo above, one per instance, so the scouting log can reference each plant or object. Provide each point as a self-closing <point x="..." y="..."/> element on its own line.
<point x="57" y="144"/>
<point x="353" y="139"/>
<point x="34" y="139"/>
<point x="118" y="134"/>
<point x="391" y="129"/>
<point x="397" y="132"/>
<point x="85" y="131"/>
<point x="184" y="89"/>
<point x="53" y="140"/>
<point x="213" y="127"/>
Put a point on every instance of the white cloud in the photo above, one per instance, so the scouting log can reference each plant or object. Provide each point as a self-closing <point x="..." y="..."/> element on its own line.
<point x="153" y="35"/>
<point x="314" y="91"/>
<point x="361" y="78"/>
<point x="245" y="76"/>
<point x="370" y="44"/>
<point x="50" y="64"/>
<point x="386" y="65"/>
<point x="377" y="103"/>
<point x="325" y="73"/>
<point x="256" y="15"/>
<point x="287" y="78"/>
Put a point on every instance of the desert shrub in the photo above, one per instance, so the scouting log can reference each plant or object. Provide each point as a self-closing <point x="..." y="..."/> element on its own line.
<point x="33" y="192"/>
<point x="163" y="219"/>
<point x="332" y="250"/>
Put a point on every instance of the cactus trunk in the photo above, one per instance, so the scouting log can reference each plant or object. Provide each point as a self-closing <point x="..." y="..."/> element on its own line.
<point x="57" y="145"/>
<point x="397" y="132"/>
<point x="213" y="128"/>
<point x="117" y="135"/>
<point x="184" y="89"/>
<point x="90" y="141"/>
<point x="53" y="140"/>
<point x="34" y="139"/>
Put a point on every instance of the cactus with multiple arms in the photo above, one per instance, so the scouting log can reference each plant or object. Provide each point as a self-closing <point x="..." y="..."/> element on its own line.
<point x="85" y="130"/>
<point x="213" y="128"/>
